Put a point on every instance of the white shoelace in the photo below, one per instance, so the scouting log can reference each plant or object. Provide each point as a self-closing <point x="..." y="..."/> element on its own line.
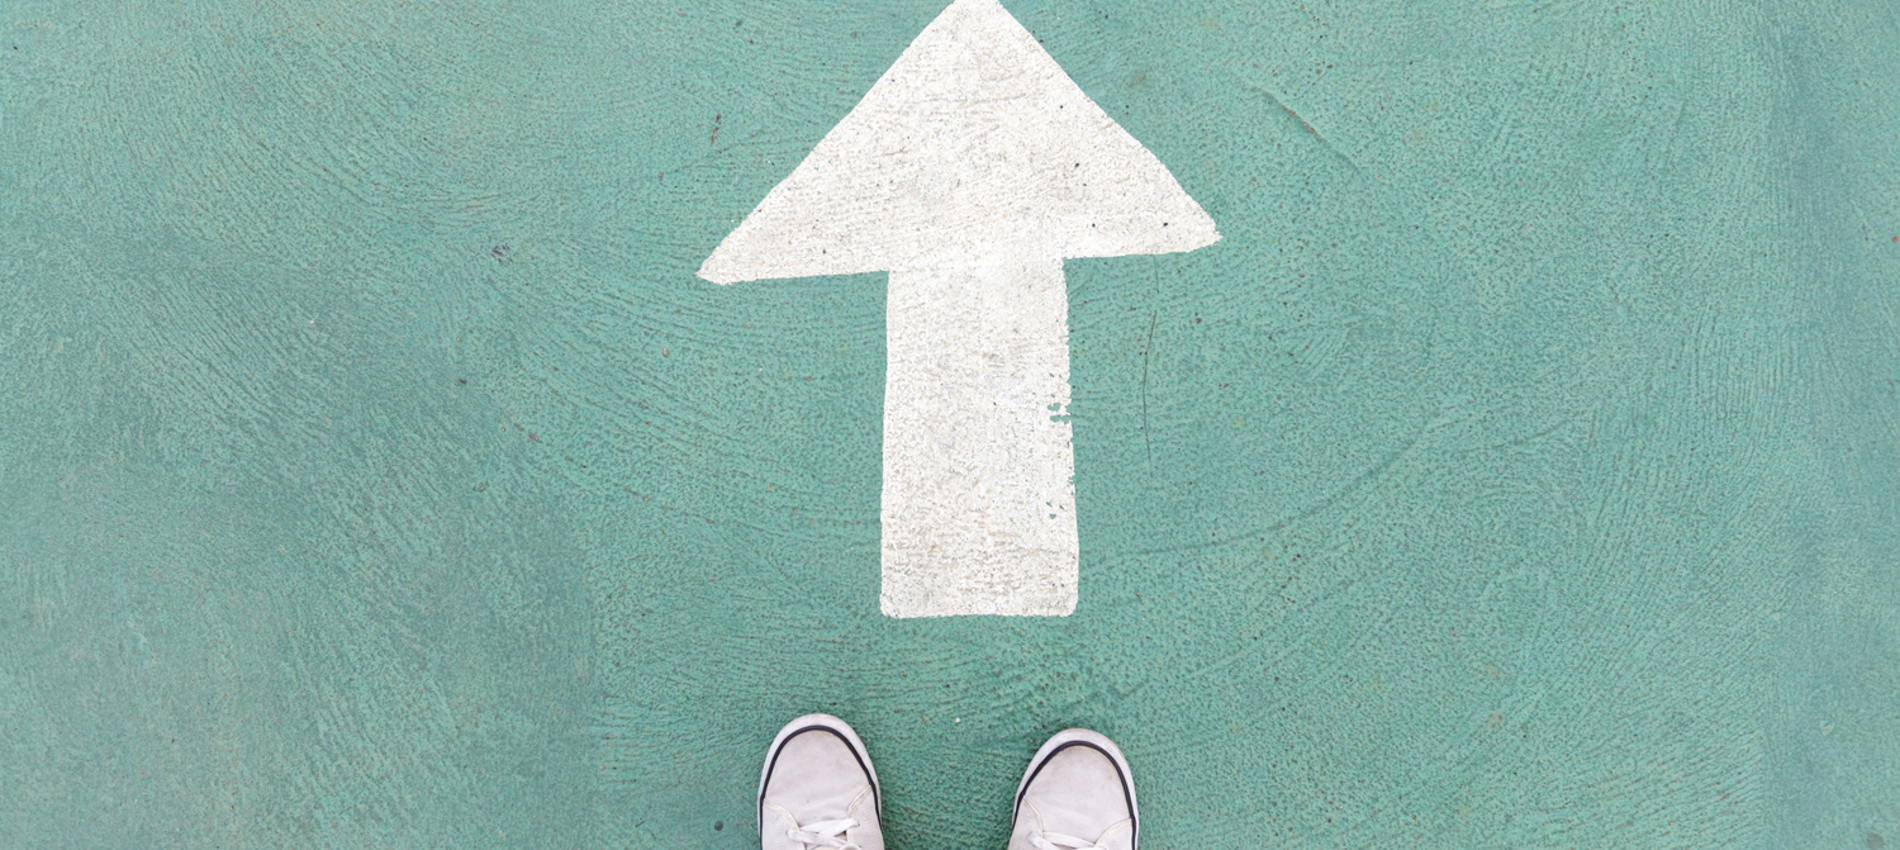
<point x="1058" y="841"/>
<point x="828" y="833"/>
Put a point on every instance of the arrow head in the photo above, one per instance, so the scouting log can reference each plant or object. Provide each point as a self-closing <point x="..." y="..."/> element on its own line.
<point x="975" y="138"/>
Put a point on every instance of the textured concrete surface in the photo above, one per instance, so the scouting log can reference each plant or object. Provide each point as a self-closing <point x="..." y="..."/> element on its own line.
<point x="1522" y="469"/>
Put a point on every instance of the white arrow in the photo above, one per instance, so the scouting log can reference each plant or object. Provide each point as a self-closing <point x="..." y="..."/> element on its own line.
<point x="969" y="172"/>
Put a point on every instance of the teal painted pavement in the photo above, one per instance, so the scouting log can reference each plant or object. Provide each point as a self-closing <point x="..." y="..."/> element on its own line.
<point x="1521" y="470"/>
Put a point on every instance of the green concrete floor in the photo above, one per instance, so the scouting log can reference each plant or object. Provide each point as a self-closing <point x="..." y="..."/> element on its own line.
<point x="1521" y="470"/>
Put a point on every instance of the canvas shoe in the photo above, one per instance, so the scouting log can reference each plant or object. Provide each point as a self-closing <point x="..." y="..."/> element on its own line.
<point x="818" y="789"/>
<point x="1077" y="795"/>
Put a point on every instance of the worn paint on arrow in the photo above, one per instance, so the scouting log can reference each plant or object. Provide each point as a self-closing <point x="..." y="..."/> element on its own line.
<point x="970" y="170"/>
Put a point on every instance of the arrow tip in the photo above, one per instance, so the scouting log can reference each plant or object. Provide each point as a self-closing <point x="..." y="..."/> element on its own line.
<point x="974" y="138"/>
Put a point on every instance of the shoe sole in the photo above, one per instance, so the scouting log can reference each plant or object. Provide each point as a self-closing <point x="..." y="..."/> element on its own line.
<point x="1093" y="740"/>
<point x="826" y="723"/>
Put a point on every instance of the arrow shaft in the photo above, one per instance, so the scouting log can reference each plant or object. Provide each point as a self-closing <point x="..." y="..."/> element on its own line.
<point x="979" y="502"/>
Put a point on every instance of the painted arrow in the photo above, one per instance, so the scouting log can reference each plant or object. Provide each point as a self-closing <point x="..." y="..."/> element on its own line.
<point x="970" y="171"/>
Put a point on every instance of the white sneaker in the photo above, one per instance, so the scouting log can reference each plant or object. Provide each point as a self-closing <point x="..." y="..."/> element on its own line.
<point x="1077" y="795"/>
<point x="818" y="789"/>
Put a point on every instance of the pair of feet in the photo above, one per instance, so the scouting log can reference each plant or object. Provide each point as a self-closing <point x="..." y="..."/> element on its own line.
<point x="819" y="791"/>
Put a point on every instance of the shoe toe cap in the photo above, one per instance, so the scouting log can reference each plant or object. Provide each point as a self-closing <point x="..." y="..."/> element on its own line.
<point x="815" y="775"/>
<point x="1080" y="791"/>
